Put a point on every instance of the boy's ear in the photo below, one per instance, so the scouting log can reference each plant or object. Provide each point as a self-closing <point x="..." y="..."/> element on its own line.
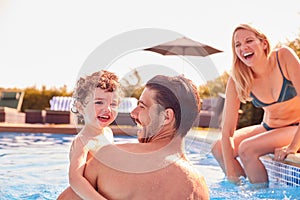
<point x="80" y="108"/>
<point x="169" y="116"/>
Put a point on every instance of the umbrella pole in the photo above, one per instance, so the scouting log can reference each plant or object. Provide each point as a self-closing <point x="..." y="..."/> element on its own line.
<point x="182" y="65"/>
<point x="183" y="53"/>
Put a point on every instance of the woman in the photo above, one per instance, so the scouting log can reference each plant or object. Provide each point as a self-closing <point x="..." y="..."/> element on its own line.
<point x="270" y="79"/>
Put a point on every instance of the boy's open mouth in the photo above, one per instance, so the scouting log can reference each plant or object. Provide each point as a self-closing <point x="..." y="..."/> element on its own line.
<point x="104" y="117"/>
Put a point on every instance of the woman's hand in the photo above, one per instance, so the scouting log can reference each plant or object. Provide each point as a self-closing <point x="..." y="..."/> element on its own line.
<point x="281" y="153"/>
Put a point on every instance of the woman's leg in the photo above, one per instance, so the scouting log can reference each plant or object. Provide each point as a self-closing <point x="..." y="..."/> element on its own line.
<point x="252" y="148"/>
<point x="238" y="137"/>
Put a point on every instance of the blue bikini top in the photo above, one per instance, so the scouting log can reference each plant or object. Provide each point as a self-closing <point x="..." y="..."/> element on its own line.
<point x="287" y="92"/>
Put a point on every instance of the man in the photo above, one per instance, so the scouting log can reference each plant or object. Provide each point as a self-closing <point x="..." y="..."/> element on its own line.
<point x="155" y="168"/>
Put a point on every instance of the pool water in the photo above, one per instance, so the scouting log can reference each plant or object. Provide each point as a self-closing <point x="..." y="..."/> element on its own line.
<point x="220" y="188"/>
<point x="35" y="166"/>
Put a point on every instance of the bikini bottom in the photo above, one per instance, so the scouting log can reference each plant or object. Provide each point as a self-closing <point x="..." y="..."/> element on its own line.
<point x="268" y="128"/>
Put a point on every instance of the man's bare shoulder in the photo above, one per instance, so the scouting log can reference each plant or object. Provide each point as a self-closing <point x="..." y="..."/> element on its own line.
<point x="159" y="172"/>
<point x="188" y="178"/>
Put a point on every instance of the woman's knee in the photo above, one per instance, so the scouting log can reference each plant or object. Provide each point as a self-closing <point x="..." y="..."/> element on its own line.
<point x="246" y="150"/>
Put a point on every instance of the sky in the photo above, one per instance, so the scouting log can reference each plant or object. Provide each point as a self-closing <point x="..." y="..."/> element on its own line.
<point x="52" y="42"/>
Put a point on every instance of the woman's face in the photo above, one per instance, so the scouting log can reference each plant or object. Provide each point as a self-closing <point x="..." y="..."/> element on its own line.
<point x="248" y="47"/>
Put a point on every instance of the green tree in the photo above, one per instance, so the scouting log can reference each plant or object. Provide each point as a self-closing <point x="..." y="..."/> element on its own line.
<point x="213" y="87"/>
<point x="294" y="44"/>
<point x="132" y="85"/>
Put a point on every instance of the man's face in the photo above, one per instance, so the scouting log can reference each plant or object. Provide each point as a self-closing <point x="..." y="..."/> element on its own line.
<point x="148" y="113"/>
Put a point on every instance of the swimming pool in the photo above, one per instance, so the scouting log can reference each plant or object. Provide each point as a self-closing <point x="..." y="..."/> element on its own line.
<point x="35" y="166"/>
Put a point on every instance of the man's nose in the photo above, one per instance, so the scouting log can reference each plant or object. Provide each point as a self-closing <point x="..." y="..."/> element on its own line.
<point x="133" y="113"/>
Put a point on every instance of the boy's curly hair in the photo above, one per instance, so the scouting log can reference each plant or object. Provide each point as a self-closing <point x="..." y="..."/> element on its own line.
<point x="85" y="86"/>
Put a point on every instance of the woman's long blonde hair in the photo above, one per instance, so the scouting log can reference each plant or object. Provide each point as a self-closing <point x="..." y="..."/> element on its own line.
<point x="242" y="74"/>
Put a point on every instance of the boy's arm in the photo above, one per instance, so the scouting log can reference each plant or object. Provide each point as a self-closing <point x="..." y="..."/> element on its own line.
<point x="78" y="182"/>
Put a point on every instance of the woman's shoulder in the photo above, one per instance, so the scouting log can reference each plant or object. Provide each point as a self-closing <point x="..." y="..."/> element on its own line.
<point x="281" y="54"/>
<point x="287" y="57"/>
<point x="231" y="82"/>
<point x="282" y="51"/>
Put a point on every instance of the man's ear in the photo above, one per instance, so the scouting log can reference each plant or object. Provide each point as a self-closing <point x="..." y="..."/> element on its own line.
<point x="169" y="116"/>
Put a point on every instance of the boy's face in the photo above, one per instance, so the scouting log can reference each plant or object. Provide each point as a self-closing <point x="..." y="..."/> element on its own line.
<point x="102" y="108"/>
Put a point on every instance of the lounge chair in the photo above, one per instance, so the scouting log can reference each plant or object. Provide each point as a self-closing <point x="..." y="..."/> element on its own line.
<point x="34" y="116"/>
<point x="59" y="112"/>
<point x="127" y="104"/>
<point x="211" y="112"/>
<point x="10" y="106"/>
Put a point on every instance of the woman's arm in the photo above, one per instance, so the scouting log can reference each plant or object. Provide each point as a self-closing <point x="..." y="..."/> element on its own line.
<point x="78" y="182"/>
<point x="291" y="63"/>
<point x="295" y="144"/>
<point x="281" y="153"/>
<point x="230" y="117"/>
<point x="292" y="66"/>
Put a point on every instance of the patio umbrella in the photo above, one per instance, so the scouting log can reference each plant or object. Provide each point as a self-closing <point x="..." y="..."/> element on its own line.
<point x="184" y="46"/>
